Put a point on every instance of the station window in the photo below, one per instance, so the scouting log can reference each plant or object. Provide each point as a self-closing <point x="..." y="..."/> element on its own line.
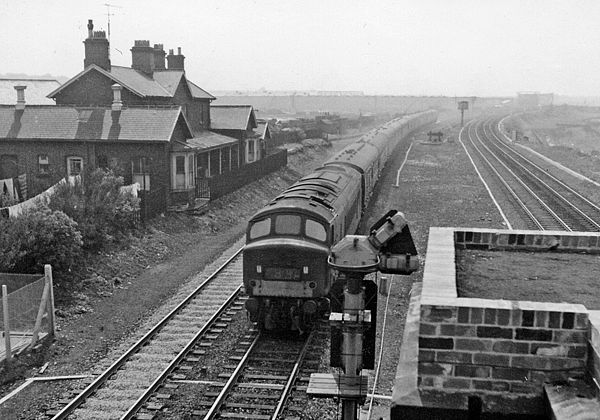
<point x="315" y="230"/>
<point x="43" y="165"/>
<point x="250" y="157"/>
<point x="179" y="172"/>
<point x="140" y="172"/>
<point x="74" y="165"/>
<point x="287" y="224"/>
<point x="260" y="228"/>
<point x="103" y="161"/>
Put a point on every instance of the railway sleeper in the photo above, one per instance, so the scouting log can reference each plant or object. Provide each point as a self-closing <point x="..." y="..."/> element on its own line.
<point x="154" y="406"/>
<point x="212" y="394"/>
<point x="215" y="331"/>
<point x="244" y="416"/>
<point x="254" y="395"/>
<point x="259" y="385"/>
<point x="250" y="406"/>
<point x="265" y="377"/>
<point x="272" y="360"/>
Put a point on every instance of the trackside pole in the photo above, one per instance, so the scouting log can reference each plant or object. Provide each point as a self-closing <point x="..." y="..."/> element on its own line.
<point x="6" y="322"/>
<point x="50" y="306"/>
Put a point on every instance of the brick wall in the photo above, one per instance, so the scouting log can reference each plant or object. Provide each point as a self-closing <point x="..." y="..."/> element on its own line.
<point x="499" y="351"/>
<point x="527" y="240"/>
<point x="57" y="151"/>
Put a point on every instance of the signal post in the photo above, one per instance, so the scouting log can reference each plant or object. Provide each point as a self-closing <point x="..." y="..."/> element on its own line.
<point x="388" y="249"/>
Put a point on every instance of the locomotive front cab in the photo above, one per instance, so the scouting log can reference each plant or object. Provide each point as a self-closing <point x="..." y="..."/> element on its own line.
<point x="285" y="268"/>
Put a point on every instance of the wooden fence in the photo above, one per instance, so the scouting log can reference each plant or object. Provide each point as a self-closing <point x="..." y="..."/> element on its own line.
<point x="27" y="310"/>
<point x="231" y="181"/>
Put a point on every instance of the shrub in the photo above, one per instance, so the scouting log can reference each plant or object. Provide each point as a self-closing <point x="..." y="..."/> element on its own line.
<point x="102" y="212"/>
<point x="7" y="200"/>
<point x="39" y="237"/>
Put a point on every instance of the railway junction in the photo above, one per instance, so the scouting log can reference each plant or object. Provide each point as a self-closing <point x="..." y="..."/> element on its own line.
<point x="460" y="355"/>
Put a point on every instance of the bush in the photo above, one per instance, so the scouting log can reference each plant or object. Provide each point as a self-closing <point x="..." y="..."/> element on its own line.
<point x="7" y="200"/>
<point x="102" y="212"/>
<point x="39" y="237"/>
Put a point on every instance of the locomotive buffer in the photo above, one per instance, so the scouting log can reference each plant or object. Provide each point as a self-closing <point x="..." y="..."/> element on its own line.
<point x="388" y="249"/>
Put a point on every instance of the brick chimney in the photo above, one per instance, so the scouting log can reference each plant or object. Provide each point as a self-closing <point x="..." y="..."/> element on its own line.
<point x="20" y="97"/>
<point x="142" y="57"/>
<point x="117" y="104"/>
<point x="159" y="57"/>
<point x="96" y="48"/>
<point x="175" y="61"/>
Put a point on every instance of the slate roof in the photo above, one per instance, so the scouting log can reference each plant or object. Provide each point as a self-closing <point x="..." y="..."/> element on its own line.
<point x="263" y="130"/>
<point x="35" y="94"/>
<point x="209" y="140"/>
<point x="232" y="117"/>
<point x="92" y="124"/>
<point x="163" y="83"/>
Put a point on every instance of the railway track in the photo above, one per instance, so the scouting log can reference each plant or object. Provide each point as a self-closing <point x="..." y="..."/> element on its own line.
<point x="545" y="202"/>
<point x="579" y="212"/>
<point x="261" y="376"/>
<point x="123" y="389"/>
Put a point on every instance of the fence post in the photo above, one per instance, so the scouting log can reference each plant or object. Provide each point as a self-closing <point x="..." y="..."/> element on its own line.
<point x="6" y="322"/>
<point x="50" y="306"/>
<point x="41" y="309"/>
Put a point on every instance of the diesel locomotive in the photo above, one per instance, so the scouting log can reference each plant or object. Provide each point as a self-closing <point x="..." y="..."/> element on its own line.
<point x="285" y="270"/>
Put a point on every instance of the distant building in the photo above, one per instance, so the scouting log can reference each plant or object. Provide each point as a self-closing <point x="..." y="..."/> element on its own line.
<point x="265" y="92"/>
<point x="37" y="90"/>
<point x="534" y="99"/>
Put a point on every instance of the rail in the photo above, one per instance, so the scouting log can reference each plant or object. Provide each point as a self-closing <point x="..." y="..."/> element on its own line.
<point x="102" y="378"/>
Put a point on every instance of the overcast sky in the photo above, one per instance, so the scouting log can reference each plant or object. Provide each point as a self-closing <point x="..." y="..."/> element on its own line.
<point x="430" y="47"/>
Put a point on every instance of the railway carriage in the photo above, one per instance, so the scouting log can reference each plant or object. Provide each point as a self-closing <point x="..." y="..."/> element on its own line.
<point x="285" y="269"/>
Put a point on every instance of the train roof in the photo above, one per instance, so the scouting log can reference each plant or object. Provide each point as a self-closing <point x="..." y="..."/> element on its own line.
<point x="317" y="193"/>
<point x="359" y="155"/>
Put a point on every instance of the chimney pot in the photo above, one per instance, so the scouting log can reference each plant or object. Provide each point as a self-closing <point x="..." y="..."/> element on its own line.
<point x="20" y="97"/>
<point x="176" y="62"/>
<point x="96" y="48"/>
<point x="142" y="56"/>
<point x="159" y="56"/>
<point x="117" y="104"/>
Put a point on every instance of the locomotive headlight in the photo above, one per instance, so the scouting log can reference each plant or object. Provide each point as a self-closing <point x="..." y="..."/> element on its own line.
<point x="305" y="269"/>
<point x="259" y="269"/>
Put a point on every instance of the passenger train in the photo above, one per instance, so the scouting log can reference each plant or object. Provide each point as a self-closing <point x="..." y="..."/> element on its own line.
<point x="285" y="269"/>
